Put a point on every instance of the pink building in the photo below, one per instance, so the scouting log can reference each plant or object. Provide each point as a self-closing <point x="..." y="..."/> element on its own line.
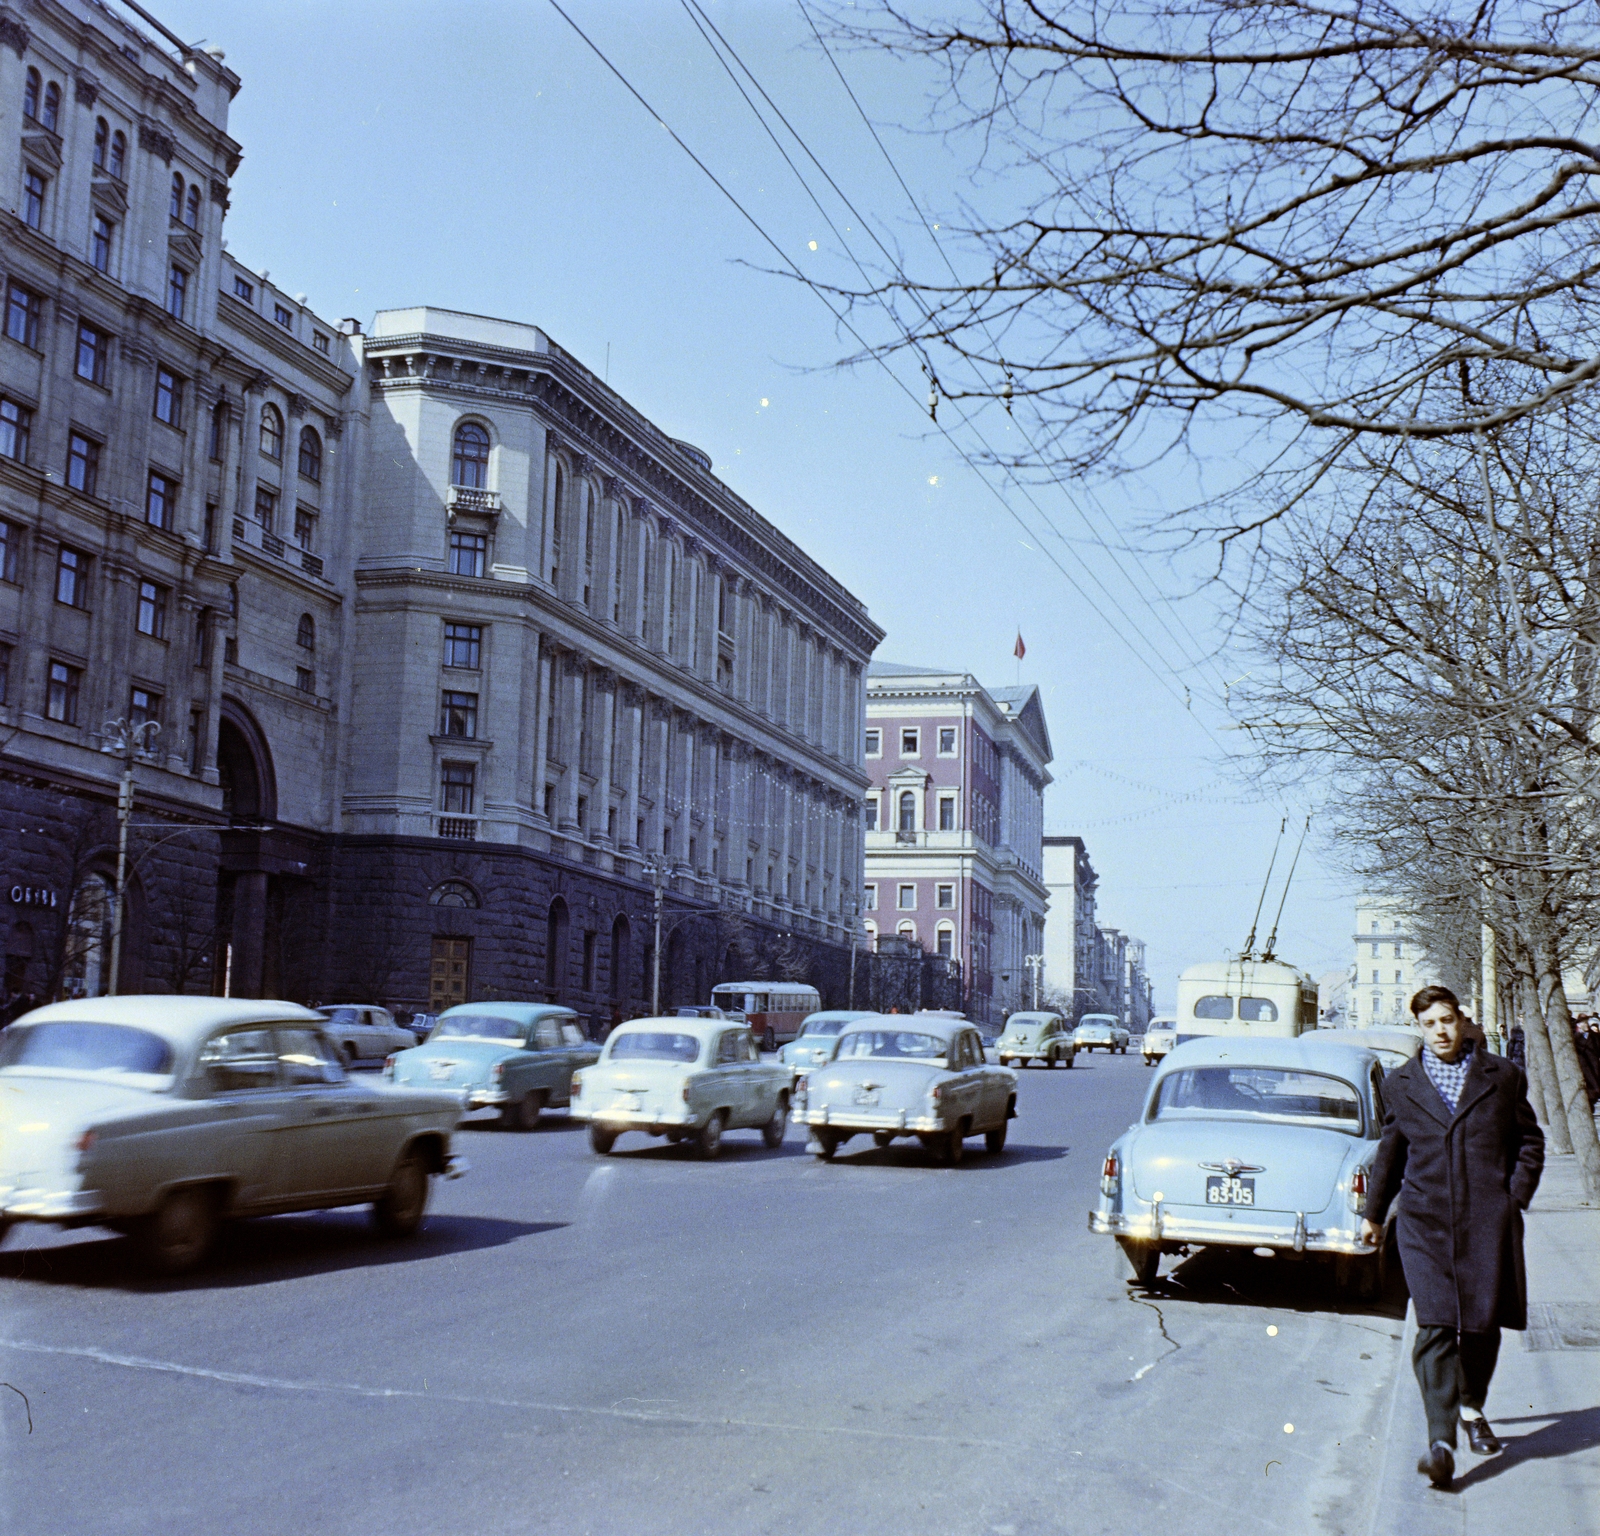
<point x="955" y="825"/>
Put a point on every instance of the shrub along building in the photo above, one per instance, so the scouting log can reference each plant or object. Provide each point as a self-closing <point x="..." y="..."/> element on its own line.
<point x="454" y="655"/>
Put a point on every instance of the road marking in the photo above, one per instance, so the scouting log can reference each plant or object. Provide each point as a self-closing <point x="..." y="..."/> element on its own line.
<point x="356" y="1389"/>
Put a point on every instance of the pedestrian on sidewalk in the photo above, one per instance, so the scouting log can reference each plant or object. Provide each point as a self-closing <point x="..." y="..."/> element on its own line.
<point x="1463" y="1152"/>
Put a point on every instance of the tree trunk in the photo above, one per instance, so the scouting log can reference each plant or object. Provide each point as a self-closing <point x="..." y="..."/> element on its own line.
<point x="1573" y="1096"/>
<point x="1542" y="1068"/>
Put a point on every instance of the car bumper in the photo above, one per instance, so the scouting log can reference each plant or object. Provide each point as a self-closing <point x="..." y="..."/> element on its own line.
<point x="865" y="1119"/>
<point x="639" y="1120"/>
<point x="482" y="1098"/>
<point x="49" y="1204"/>
<point x="1294" y="1234"/>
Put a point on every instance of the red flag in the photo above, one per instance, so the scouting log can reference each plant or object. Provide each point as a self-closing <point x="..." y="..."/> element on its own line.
<point x="1019" y="650"/>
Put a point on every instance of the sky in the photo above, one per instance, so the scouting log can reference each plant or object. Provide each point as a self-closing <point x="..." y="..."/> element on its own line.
<point x="480" y="157"/>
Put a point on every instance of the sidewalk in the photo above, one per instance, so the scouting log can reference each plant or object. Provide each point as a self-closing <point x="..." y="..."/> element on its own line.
<point x="1545" y="1402"/>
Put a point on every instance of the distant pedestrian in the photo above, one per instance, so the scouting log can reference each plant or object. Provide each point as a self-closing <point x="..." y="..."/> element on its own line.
<point x="1587" y="1044"/>
<point x="1517" y="1047"/>
<point x="1463" y="1152"/>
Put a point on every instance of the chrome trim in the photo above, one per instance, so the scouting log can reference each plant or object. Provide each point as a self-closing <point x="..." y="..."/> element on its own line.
<point x="1232" y="1167"/>
<point x="1299" y="1238"/>
<point x="1299" y="1231"/>
<point x="455" y="1165"/>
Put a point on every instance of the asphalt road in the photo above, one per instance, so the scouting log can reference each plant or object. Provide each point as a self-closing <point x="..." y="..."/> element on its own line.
<point x="647" y="1343"/>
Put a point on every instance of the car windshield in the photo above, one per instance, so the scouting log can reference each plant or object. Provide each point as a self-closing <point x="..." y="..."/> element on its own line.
<point x="822" y="1026"/>
<point x="479" y="1026"/>
<point x="119" y="1049"/>
<point x="342" y="1015"/>
<point x="653" y="1045"/>
<point x="891" y="1042"/>
<point x="1265" y="1093"/>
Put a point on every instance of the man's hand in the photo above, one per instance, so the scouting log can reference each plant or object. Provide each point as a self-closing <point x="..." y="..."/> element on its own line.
<point x="1371" y="1233"/>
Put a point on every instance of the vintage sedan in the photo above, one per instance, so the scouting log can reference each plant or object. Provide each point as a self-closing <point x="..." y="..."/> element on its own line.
<point x="1160" y="1036"/>
<point x="1262" y="1143"/>
<point x="161" y="1116"/>
<point x="1393" y="1044"/>
<point x="896" y="1075"/>
<point x="1035" y="1037"/>
<point x="819" y="1033"/>
<point x="515" y="1058"/>
<point x="686" y="1079"/>
<point x="364" y="1032"/>
<point x="1101" y="1032"/>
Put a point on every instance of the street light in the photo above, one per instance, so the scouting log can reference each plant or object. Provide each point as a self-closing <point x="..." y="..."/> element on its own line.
<point x="855" y="929"/>
<point x="1035" y="965"/>
<point x="132" y="742"/>
<point x="653" y="868"/>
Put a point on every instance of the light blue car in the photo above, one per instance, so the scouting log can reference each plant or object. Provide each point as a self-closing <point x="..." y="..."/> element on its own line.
<point x="818" y="1036"/>
<point x="517" y="1058"/>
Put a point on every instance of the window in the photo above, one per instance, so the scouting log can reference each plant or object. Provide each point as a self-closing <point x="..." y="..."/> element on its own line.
<point x="945" y="897"/>
<point x="16" y="423"/>
<point x="457" y="785"/>
<point x="30" y="95"/>
<point x="143" y="706"/>
<point x="119" y="154"/>
<point x="102" y="141"/>
<point x="83" y="464"/>
<point x="1258" y="1010"/>
<point x="907" y="931"/>
<point x="469" y="553"/>
<point x="244" y="290"/>
<point x="94" y="348"/>
<point x="152" y="610"/>
<point x="283" y="316"/>
<point x="72" y="578"/>
<point x="24" y="309"/>
<point x="271" y="432"/>
<point x="169" y="397"/>
<point x="202" y="637"/>
<point x="175" y="200"/>
<point x="469" y="464"/>
<point x="177" y="291"/>
<point x="947" y="813"/>
<point x="266" y="505"/>
<point x="219" y="431"/>
<point x="100" y="243"/>
<point x="906" y="898"/>
<point x="458" y="715"/>
<point x="305" y="635"/>
<point x="1374" y="978"/>
<point x="305" y="679"/>
<point x="947" y="741"/>
<point x="946" y="942"/>
<point x="1374" y="951"/>
<point x="869" y="897"/>
<point x="33" y="190"/>
<point x="305" y="527"/>
<point x="310" y="454"/>
<point x="911" y="742"/>
<point x="160" y="500"/>
<point x="874" y="743"/>
<point x="191" y="208"/>
<point x="50" y="114"/>
<point x="10" y="538"/>
<point x="61" y="698"/>
<point x="1398" y="978"/>
<point x="5" y="674"/>
<point x="1397" y="955"/>
<point x="319" y="339"/>
<point x="908" y="811"/>
<point x="870" y="816"/>
<point x="463" y="645"/>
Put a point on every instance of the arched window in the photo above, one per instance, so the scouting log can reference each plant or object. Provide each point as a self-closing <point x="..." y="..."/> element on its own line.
<point x="453" y="893"/>
<point x="30" y="96"/>
<point x="119" y="154"/>
<point x="946" y="946"/>
<point x="271" y="432"/>
<point x="51" y="115"/>
<point x="555" y="529"/>
<point x="310" y="454"/>
<point x="617" y="566"/>
<point x="219" y="430"/>
<point x="620" y="935"/>
<point x="588" y="542"/>
<point x="555" y="945"/>
<point x="908" y="811"/>
<point x="191" y="208"/>
<point x="102" y="141"/>
<point x="175" y="202"/>
<point x="306" y="634"/>
<point x="469" y="467"/>
<point x="872" y="935"/>
<point x="86" y="964"/>
<point x="908" y="930"/>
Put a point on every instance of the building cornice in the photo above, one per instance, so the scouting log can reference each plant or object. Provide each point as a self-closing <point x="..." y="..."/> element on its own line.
<point x="294" y="353"/>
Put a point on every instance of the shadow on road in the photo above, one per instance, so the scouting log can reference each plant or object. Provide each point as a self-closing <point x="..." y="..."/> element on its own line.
<point x="974" y="1160"/>
<point x="1220" y="1275"/>
<point x="549" y="1121"/>
<point x="264" y="1251"/>
<point x="1562" y="1434"/>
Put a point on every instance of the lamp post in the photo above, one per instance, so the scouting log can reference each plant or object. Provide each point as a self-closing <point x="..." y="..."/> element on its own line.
<point x="855" y="930"/>
<point x="131" y="742"/>
<point x="652" y="867"/>
<point x="1035" y="965"/>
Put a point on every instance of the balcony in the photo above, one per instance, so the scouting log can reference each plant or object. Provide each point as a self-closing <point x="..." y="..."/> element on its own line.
<point x="253" y="536"/>
<point x="465" y="499"/>
<point x="462" y="829"/>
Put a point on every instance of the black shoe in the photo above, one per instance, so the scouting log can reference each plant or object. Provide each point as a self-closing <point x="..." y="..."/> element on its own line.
<point x="1481" y="1437"/>
<point x="1439" y="1465"/>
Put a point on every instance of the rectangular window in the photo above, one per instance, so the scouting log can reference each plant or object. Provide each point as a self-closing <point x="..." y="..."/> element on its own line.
<point x="1398" y="978"/>
<point x="945" y="897"/>
<point x="5" y="674"/>
<point x="947" y="741"/>
<point x="871" y="815"/>
<point x="457" y="788"/>
<point x="305" y="679"/>
<point x="16" y="425"/>
<point x="197" y="740"/>
<point x="244" y="290"/>
<point x="24" y="310"/>
<point x="305" y="528"/>
<point x="463" y="645"/>
<point x="946" y="943"/>
<point x="100" y="243"/>
<point x="143" y="706"/>
<point x="83" y="464"/>
<point x="160" y="500"/>
<point x="458" y="715"/>
<point x="33" y="190"/>
<point x="10" y="539"/>
<point x="152" y="610"/>
<point x="72" y="578"/>
<point x="947" y="813"/>
<point x="874" y="743"/>
<point x="319" y="340"/>
<point x="169" y="397"/>
<point x="910" y="742"/>
<point x="869" y="898"/>
<point x="469" y="554"/>
<point x="94" y="347"/>
<point x="266" y="506"/>
<point x="61" y="700"/>
<point x="1397" y="949"/>
<point x="202" y="637"/>
<point x="283" y="317"/>
<point x="906" y="900"/>
<point x="177" y="292"/>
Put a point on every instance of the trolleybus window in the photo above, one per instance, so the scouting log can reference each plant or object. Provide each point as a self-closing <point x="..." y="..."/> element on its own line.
<point x="1258" y="1010"/>
<point x="1213" y="1007"/>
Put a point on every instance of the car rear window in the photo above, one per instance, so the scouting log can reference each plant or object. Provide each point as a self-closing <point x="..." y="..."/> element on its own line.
<point x="75" y="1047"/>
<point x="653" y="1045"/>
<point x="890" y="1042"/>
<point x="479" y="1026"/>
<point x="1265" y="1093"/>
<point x="343" y="1015"/>
<point x="822" y="1026"/>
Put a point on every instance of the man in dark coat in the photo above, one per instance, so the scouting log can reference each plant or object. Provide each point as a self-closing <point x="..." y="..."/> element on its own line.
<point x="1462" y="1150"/>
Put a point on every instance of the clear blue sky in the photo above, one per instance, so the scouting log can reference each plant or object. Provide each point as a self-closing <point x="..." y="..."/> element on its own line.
<point x="479" y="157"/>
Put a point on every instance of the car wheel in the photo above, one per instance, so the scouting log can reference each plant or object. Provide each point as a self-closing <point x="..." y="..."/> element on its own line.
<point x="1072" y="1058"/>
<point x="772" y="1131"/>
<point x="826" y="1145"/>
<point x="522" y="1114"/>
<point x="180" y="1234"/>
<point x="602" y="1140"/>
<point x="348" y="1051"/>
<point x="398" y="1210"/>
<point x="709" y="1142"/>
<point x="1022" y="1061"/>
<point x="1144" y="1259"/>
<point x="955" y="1146"/>
<point x="995" y="1138"/>
<point x="1050" y="1061"/>
<point x="882" y="1140"/>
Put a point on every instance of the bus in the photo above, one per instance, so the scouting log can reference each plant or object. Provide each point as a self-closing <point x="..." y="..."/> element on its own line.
<point x="1245" y="997"/>
<point x="774" y="1010"/>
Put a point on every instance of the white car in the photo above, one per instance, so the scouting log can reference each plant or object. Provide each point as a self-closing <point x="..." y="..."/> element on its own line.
<point x="364" y="1032"/>
<point x="1101" y="1032"/>
<point x="1160" y="1036"/>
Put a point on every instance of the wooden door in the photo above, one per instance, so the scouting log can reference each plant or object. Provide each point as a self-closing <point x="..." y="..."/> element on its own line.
<point x="451" y="974"/>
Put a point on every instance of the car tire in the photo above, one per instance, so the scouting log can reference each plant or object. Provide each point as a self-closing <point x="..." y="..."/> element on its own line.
<point x="1050" y="1061"/>
<point x="994" y="1139"/>
<point x="399" y="1210"/>
<point x="348" y="1051"/>
<point x="882" y="1140"/>
<point x="522" y="1114"/>
<point x="1143" y="1259"/>
<point x="1022" y="1062"/>
<point x="177" y="1236"/>
<point x="825" y="1145"/>
<point x="602" y="1140"/>
<point x="708" y="1144"/>
<point x="955" y="1147"/>
<point x="772" y="1131"/>
<point x="1072" y="1058"/>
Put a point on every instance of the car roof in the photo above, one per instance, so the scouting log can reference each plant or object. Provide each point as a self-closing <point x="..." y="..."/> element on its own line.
<point x="702" y="1029"/>
<point x="840" y="1013"/>
<point x="1397" y="1038"/>
<point x="917" y="1023"/>
<point x="520" y="1013"/>
<point x="1099" y="1018"/>
<point x="1039" y="1016"/>
<point x="181" y="1020"/>
<point x="1305" y="1053"/>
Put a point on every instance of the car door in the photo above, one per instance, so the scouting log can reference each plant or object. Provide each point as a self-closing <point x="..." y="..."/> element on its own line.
<point x="765" y="1081"/>
<point x="549" y="1070"/>
<point x="252" y="1111"/>
<point x="986" y="1106"/>
<point x="732" y="1065"/>
<point x="339" y="1139"/>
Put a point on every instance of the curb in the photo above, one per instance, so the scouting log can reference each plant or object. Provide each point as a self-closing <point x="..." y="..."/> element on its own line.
<point x="1406" y="1504"/>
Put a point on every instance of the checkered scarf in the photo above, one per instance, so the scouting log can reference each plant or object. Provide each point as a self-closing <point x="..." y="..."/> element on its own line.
<point x="1449" y="1077"/>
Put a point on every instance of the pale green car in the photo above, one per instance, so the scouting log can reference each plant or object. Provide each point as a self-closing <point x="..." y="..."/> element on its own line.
<point x="1036" y="1037"/>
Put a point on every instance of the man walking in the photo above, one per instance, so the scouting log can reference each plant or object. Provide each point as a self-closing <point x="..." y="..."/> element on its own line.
<point x="1464" y="1153"/>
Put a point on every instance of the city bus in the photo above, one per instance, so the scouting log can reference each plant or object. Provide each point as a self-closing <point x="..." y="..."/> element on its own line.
<point x="1245" y="997"/>
<point x="774" y="1010"/>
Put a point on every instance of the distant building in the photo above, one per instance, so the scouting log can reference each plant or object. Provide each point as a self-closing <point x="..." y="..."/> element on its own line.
<point x="1333" y="1000"/>
<point x="1072" y="937"/>
<point x="954" y="825"/>
<point x="1389" y="965"/>
<point x="1137" y="1001"/>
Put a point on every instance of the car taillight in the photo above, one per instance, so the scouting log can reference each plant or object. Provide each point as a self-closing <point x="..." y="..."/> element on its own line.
<point x="577" y="1085"/>
<point x="936" y="1092"/>
<point x="1358" y="1190"/>
<point x="1110" y="1172"/>
<point x="86" y="1141"/>
<point x="686" y="1090"/>
<point x="497" y="1071"/>
<point x="388" y="1067"/>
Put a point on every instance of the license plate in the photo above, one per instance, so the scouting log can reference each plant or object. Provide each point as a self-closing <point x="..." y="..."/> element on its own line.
<point x="866" y="1096"/>
<point x="1221" y="1190"/>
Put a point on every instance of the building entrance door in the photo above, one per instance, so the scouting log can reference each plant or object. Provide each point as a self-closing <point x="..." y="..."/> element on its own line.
<point x="450" y="974"/>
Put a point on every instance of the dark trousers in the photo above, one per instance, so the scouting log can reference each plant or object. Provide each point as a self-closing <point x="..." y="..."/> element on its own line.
<point x="1454" y="1371"/>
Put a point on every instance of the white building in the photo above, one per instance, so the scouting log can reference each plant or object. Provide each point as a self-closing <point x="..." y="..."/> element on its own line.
<point x="1389" y="966"/>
